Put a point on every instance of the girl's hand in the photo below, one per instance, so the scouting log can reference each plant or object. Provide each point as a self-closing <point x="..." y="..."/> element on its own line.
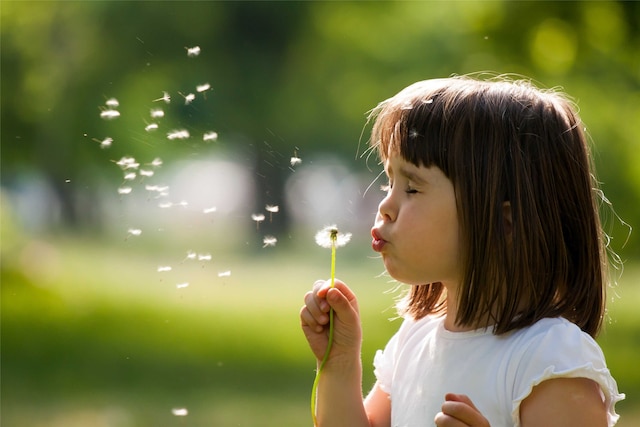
<point x="459" y="411"/>
<point x="314" y="318"/>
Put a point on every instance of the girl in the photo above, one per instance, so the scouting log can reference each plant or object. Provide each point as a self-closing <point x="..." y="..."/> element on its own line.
<point x="491" y="217"/>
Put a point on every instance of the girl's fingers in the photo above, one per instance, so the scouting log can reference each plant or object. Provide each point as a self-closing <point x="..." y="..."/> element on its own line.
<point x="459" y="410"/>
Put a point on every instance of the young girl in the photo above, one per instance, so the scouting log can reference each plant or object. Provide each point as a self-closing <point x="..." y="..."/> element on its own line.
<point x="491" y="218"/>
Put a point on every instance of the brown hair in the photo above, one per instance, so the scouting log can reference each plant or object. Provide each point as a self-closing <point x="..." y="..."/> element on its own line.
<point x="499" y="142"/>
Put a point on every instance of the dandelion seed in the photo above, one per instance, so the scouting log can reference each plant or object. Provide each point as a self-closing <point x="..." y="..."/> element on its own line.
<point x="193" y="51"/>
<point x="272" y="209"/>
<point x="181" y="286"/>
<point x="191" y="255"/>
<point x="130" y="176"/>
<point x="258" y="218"/>
<point x="178" y="134"/>
<point x="269" y="241"/>
<point x="112" y="103"/>
<point x="165" y="97"/>
<point x="125" y="190"/>
<point x="188" y="99"/>
<point x="134" y="231"/>
<point x="183" y="203"/>
<point x="109" y="114"/>
<point x="146" y="173"/>
<point x="212" y="209"/>
<point x="295" y="161"/>
<point x="180" y="412"/>
<point x="128" y="163"/>
<point x="157" y="113"/>
<point x="204" y="257"/>
<point x="203" y="87"/>
<point x="210" y="136"/>
<point x="165" y="205"/>
<point x="151" y="127"/>
<point x="156" y="163"/>
<point x="330" y="236"/>
<point x="164" y="268"/>
<point x="106" y="143"/>
<point x="224" y="273"/>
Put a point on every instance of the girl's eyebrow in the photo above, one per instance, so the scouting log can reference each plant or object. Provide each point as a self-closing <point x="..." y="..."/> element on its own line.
<point x="411" y="175"/>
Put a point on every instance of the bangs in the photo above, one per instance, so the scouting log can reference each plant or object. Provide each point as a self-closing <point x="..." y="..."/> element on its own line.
<point x="412" y="124"/>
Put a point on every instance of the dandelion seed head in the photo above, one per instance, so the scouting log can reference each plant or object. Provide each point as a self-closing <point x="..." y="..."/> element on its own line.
<point x="193" y="51"/>
<point x="272" y="208"/>
<point x="124" y="190"/>
<point x="210" y="136"/>
<point x="269" y="241"/>
<point x="257" y="217"/>
<point x="295" y="161"/>
<point x="203" y="87"/>
<point x="188" y="99"/>
<point x="164" y="268"/>
<point x="330" y="236"/>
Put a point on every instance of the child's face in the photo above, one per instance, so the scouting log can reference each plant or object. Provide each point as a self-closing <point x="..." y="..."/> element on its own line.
<point x="416" y="229"/>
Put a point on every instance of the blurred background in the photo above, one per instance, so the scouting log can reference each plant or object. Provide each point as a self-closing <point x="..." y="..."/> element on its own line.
<point x="165" y="166"/>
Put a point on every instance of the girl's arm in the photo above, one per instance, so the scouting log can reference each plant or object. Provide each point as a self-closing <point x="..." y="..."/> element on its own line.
<point x="339" y="396"/>
<point x="564" y="402"/>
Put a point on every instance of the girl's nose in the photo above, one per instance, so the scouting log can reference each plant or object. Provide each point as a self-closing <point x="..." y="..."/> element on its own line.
<point x="386" y="209"/>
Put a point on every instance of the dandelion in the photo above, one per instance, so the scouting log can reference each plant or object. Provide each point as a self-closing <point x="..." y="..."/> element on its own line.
<point x="212" y="209"/>
<point x="328" y="237"/>
<point x="181" y="286"/>
<point x="295" y="161"/>
<point x="165" y="97"/>
<point x="156" y="113"/>
<point x="258" y="218"/>
<point x="210" y="136"/>
<point x="125" y="190"/>
<point x="147" y="173"/>
<point x="109" y="114"/>
<point x="178" y="134"/>
<point x="224" y="273"/>
<point x="203" y="87"/>
<point x="151" y="127"/>
<point x="269" y="241"/>
<point x="112" y="103"/>
<point x="193" y="51"/>
<point x="164" y="268"/>
<point x="272" y="209"/>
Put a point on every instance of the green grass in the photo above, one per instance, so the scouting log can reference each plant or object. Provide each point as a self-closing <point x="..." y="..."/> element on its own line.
<point x="92" y="335"/>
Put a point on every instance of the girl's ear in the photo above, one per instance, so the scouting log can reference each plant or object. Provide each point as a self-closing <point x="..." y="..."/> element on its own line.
<point x="508" y="219"/>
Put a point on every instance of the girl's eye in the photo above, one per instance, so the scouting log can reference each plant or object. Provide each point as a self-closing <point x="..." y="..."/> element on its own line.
<point x="410" y="190"/>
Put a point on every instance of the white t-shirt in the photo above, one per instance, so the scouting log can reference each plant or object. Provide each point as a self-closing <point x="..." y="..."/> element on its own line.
<point x="423" y="361"/>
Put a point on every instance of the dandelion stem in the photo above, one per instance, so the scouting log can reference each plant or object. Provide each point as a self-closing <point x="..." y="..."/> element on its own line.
<point x="314" y="389"/>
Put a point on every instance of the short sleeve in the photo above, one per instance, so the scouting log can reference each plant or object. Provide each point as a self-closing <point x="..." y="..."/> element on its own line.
<point x="562" y="350"/>
<point x="384" y="360"/>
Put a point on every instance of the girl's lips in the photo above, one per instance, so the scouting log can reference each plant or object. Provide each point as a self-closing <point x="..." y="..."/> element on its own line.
<point x="377" y="244"/>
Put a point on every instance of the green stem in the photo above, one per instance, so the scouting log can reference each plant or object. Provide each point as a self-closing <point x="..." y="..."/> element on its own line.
<point x="314" y="389"/>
